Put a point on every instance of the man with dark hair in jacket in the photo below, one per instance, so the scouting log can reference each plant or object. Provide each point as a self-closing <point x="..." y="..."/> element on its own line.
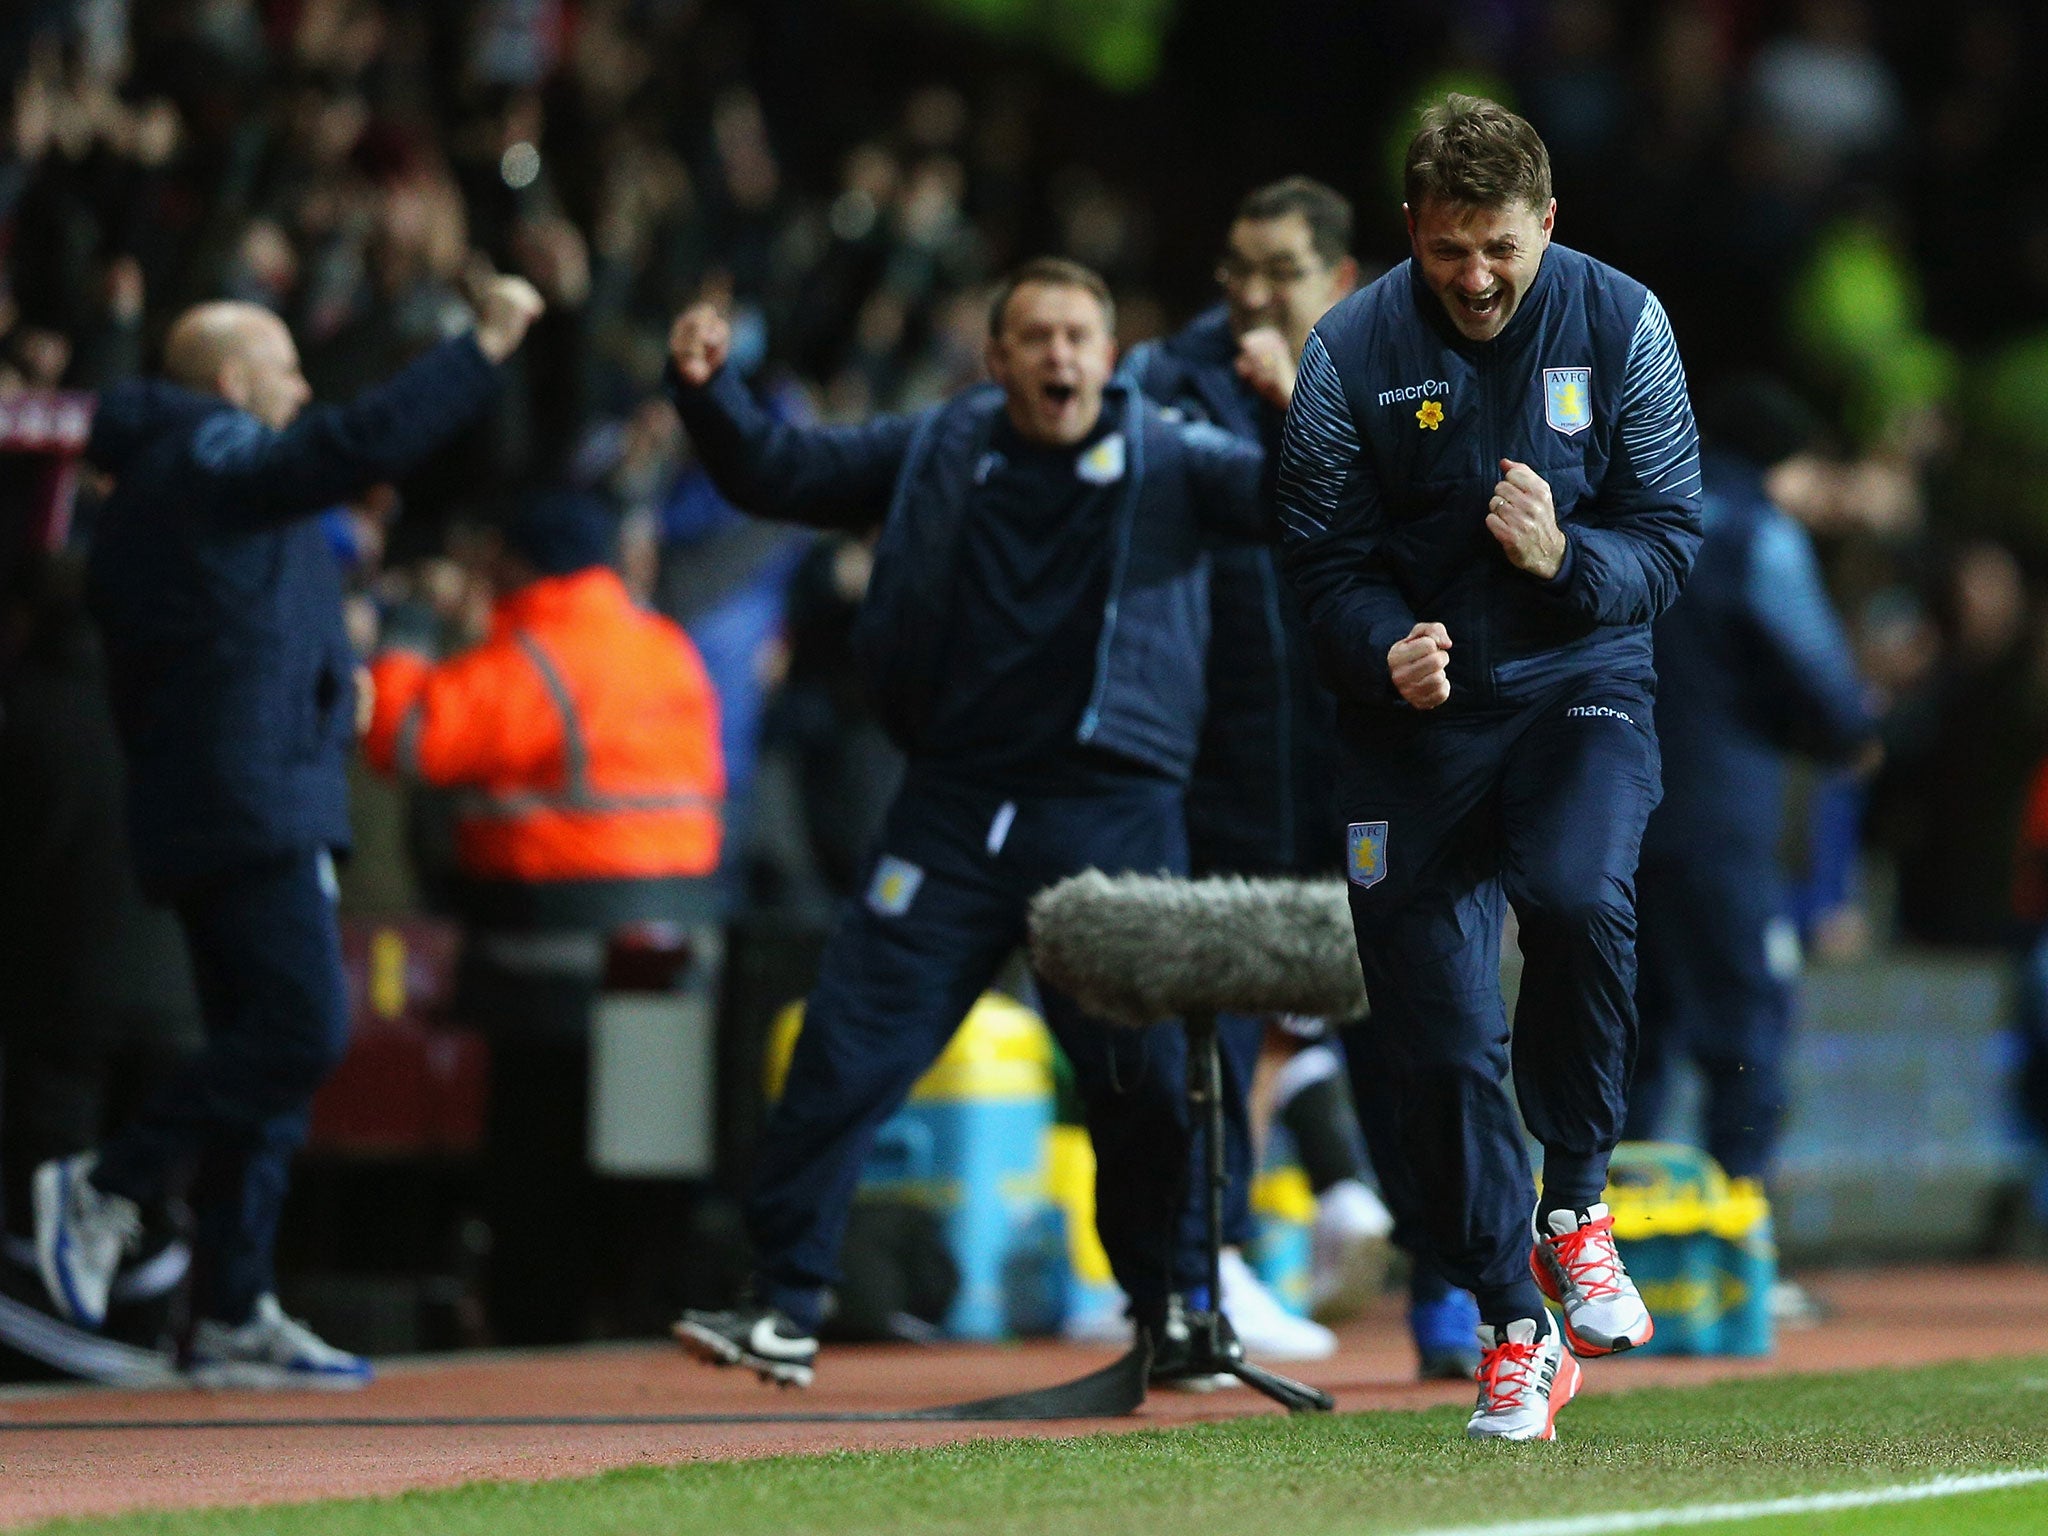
<point x="1753" y="667"/>
<point x="1489" y="483"/>
<point x="1033" y="636"/>
<point x="233" y="688"/>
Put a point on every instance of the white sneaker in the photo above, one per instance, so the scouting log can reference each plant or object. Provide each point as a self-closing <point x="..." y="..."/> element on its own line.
<point x="1267" y="1329"/>
<point x="1577" y="1267"/>
<point x="1350" y="1251"/>
<point x="1523" y="1381"/>
<point x="272" y="1352"/>
<point x="81" y="1236"/>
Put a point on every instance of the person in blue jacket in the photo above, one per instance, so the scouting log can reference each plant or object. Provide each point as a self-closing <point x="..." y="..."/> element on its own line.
<point x="1489" y="486"/>
<point x="1260" y="801"/>
<point x="233" y="688"/>
<point x="1753" y="667"/>
<point x="1033" y="637"/>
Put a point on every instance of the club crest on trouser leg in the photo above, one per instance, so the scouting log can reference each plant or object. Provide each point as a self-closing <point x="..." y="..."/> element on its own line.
<point x="1366" y="852"/>
<point x="1568" y="399"/>
<point x="894" y="886"/>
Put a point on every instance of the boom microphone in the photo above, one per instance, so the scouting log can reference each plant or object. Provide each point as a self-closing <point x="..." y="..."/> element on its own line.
<point x="1135" y="949"/>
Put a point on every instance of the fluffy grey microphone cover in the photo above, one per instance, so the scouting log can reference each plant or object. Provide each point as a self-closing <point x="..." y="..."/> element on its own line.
<point x="1135" y="949"/>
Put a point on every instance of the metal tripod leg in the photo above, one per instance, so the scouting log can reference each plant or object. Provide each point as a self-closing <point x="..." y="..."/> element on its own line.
<point x="1205" y="1101"/>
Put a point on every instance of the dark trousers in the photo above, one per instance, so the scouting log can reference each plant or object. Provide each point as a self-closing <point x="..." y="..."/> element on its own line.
<point x="944" y="906"/>
<point x="1453" y="816"/>
<point x="1711" y="989"/>
<point x="266" y="955"/>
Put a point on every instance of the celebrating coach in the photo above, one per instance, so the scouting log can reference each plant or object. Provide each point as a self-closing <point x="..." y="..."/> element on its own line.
<point x="233" y="686"/>
<point x="1034" y="636"/>
<point x="1489" y="485"/>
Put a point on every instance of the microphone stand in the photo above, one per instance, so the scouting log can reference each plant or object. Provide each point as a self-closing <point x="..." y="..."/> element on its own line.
<point x="1205" y="1105"/>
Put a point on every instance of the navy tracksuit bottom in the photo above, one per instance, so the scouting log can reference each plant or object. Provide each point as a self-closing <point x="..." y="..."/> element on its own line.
<point x="945" y="906"/>
<point x="1717" y="954"/>
<point x="1453" y="816"/>
<point x="266" y="954"/>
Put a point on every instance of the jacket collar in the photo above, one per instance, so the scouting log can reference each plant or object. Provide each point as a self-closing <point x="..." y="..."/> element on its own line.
<point x="594" y="590"/>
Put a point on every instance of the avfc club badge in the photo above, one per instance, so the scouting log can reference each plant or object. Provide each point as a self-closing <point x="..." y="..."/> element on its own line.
<point x="1366" y="859"/>
<point x="894" y="886"/>
<point x="1568" y="399"/>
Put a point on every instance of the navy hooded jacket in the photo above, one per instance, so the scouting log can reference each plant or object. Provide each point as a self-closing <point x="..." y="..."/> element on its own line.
<point x="1182" y="486"/>
<point x="1392" y="450"/>
<point x="1752" y="666"/>
<point x="231" y="674"/>
<point x="1259" y="800"/>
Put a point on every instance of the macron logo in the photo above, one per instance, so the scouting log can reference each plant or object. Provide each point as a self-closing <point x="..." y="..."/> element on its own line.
<point x="1596" y="712"/>
<point x="1422" y="391"/>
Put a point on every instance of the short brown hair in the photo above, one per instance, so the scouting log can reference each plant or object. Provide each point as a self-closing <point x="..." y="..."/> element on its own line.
<point x="1325" y="210"/>
<point x="1476" y="153"/>
<point x="1057" y="272"/>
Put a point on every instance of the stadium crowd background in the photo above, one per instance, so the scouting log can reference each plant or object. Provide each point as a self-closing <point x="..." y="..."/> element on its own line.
<point x="1840" y="192"/>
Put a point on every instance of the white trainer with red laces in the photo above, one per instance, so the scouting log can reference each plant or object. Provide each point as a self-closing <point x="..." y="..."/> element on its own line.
<point x="1576" y="1266"/>
<point x="1524" y="1380"/>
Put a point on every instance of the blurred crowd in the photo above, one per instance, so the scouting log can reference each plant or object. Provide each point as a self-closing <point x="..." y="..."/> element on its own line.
<point x="1808" y="187"/>
<point x="1835" y="192"/>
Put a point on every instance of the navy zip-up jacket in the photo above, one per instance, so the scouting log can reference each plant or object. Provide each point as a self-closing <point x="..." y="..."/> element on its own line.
<point x="1752" y="666"/>
<point x="1258" y="802"/>
<point x="1392" y="450"/>
<point x="231" y="675"/>
<point x="1183" y="486"/>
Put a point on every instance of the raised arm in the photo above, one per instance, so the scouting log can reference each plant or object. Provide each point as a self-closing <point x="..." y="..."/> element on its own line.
<point x="335" y="453"/>
<point x="1628" y="553"/>
<point x="1333" y="526"/>
<point x="826" y="477"/>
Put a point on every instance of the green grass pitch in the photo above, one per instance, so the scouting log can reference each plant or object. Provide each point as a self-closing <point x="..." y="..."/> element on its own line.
<point x="1384" y="1472"/>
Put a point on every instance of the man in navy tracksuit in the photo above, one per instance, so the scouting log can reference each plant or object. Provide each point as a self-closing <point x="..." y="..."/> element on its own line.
<point x="1752" y="667"/>
<point x="1489" y="484"/>
<point x="233" y="687"/>
<point x="1033" y="636"/>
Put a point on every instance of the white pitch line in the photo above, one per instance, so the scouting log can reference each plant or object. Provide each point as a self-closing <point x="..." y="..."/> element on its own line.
<point x="1714" y="1514"/>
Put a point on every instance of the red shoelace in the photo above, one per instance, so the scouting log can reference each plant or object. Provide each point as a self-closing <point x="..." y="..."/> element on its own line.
<point x="1588" y="1256"/>
<point x="1506" y="1371"/>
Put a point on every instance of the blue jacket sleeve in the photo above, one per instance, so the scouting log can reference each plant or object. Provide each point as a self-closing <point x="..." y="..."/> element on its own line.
<point x="1225" y="478"/>
<point x="1333" y="527"/>
<point x="1627" y="554"/>
<point x="1816" y="699"/>
<point x="331" y="453"/>
<point x="825" y="477"/>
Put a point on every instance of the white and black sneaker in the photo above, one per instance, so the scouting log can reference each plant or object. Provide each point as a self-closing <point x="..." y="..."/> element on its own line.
<point x="760" y="1338"/>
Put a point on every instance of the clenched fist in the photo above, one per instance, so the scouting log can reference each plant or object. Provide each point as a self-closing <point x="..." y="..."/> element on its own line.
<point x="1266" y="362"/>
<point x="1523" y="518"/>
<point x="505" y="308"/>
<point x="698" y="343"/>
<point x="1420" y="666"/>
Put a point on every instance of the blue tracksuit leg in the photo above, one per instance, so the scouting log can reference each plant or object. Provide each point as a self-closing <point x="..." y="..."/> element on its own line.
<point x="1716" y="955"/>
<point x="1543" y="806"/>
<point x="944" y="906"/>
<point x="266" y="954"/>
<point x="1579" y="784"/>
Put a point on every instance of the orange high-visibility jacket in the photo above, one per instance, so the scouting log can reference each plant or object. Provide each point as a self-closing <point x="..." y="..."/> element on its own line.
<point x="583" y="735"/>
